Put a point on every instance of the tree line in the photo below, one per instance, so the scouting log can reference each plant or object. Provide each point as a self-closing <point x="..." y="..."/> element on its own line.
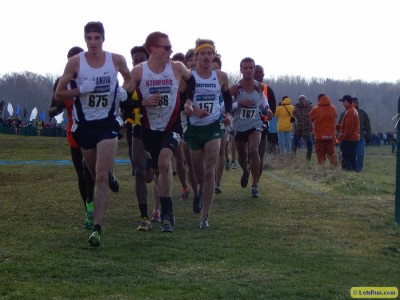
<point x="379" y="100"/>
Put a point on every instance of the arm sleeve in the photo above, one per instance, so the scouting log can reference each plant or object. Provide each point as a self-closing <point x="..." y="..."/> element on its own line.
<point x="56" y="107"/>
<point x="129" y="103"/>
<point x="271" y="99"/>
<point x="227" y="101"/>
<point x="182" y="101"/>
<point x="190" y="88"/>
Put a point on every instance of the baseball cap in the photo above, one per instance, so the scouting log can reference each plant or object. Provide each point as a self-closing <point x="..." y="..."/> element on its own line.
<point x="302" y="97"/>
<point x="347" y="98"/>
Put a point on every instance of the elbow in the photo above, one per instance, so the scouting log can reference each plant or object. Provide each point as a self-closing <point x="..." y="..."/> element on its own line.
<point x="58" y="99"/>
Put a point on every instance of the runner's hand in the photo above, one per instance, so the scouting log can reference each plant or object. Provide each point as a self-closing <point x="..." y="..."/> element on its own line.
<point x="121" y="94"/>
<point x="87" y="86"/>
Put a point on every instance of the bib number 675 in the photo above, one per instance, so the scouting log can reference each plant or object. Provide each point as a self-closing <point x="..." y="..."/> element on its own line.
<point x="98" y="100"/>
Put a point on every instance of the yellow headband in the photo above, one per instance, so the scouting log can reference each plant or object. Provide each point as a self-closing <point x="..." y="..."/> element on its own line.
<point x="202" y="46"/>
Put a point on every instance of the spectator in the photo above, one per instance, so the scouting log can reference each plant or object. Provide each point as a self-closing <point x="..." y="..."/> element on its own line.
<point x="303" y="125"/>
<point x="323" y="117"/>
<point x="349" y="134"/>
<point x="284" y="113"/>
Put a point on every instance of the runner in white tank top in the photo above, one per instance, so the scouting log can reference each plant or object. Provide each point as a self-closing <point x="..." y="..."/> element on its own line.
<point x="206" y="97"/>
<point x="248" y="94"/>
<point x="99" y="104"/>
<point x="158" y="82"/>
<point x="96" y="128"/>
<point x="163" y="116"/>
<point x="203" y="134"/>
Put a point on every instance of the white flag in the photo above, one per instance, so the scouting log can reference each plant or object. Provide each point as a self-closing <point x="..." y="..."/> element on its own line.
<point x="59" y="118"/>
<point x="10" y="109"/>
<point x="33" y="114"/>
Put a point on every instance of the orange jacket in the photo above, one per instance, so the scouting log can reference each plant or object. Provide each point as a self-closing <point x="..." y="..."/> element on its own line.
<point x="350" y="126"/>
<point x="323" y="117"/>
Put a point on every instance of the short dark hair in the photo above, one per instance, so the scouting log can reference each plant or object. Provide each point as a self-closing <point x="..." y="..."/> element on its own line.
<point x="178" y="57"/>
<point x="260" y="68"/>
<point x="189" y="54"/>
<point x="74" y="51"/>
<point x="95" y="27"/>
<point x="138" y="49"/>
<point x="247" y="59"/>
<point x="217" y="59"/>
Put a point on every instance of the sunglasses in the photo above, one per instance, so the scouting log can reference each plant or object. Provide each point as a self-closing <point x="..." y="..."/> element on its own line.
<point x="166" y="48"/>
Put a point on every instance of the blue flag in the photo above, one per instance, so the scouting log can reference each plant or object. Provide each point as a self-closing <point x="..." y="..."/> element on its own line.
<point x="42" y="116"/>
<point x="17" y="111"/>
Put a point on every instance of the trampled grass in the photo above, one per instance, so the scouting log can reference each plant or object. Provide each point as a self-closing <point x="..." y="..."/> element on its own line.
<point x="314" y="233"/>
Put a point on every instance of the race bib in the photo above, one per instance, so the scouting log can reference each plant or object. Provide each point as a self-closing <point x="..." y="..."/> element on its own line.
<point x="247" y="113"/>
<point x="206" y="102"/>
<point x="164" y="95"/>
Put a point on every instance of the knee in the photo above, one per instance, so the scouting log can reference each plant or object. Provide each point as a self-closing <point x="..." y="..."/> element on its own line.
<point x="253" y="152"/>
<point x="163" y="168"/>
<point x="102" y="176"/>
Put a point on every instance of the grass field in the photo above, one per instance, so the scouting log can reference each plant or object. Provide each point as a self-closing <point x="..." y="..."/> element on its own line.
<point x="314" y="233"/>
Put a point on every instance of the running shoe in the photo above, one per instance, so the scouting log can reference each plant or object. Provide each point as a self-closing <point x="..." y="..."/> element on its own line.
<point x="88" y="223"/>
<point x="218" y="189"/>
<point x="204" y="224"/>
<point x="227" y="165"/>
<point x="244" y="180"/>
<point x="113" y="183"/>
<point x="94" y="239"/>
<point x="155" y="216"/>
<point x="233" y="165"/>
<point x="145" y="225"/>
<point x="185" y="193"/>
<point x="197" y="204"/>
<point x="255" y="192"/>
<point x="166" y="225"/>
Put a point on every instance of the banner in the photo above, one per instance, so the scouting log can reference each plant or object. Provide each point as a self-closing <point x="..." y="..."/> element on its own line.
<point x="42" y="116"/>
<point x="10" y="109"/>
<point x="17" y="111"/>
<point x="33" y="114"/>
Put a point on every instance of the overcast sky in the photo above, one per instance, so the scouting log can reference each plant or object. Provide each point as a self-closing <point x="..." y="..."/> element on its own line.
<point x="338" y="39"/>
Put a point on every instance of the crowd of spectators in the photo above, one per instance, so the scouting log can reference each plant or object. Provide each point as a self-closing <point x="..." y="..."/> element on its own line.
<point x="15" y="125"/>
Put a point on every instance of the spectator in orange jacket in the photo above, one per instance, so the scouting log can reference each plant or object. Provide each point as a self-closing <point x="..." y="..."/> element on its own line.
<point x="349" y="134"/>
<point x="323" y="117"/>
